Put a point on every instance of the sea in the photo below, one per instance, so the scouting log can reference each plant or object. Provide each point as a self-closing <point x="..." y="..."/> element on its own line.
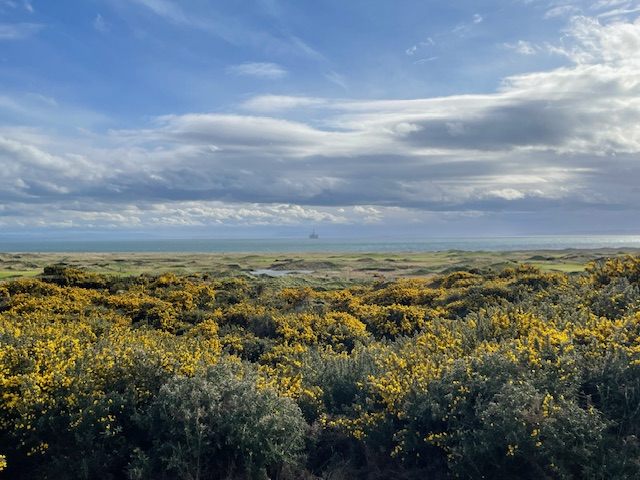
<point x="337" y="245"/>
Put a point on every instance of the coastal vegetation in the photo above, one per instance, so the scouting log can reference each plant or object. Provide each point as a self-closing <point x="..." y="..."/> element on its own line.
<point x="491" y="371"/>
<point x="326" y="270"/>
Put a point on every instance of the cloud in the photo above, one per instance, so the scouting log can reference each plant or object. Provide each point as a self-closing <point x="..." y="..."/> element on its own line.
<point x="370" y="214"/>
<point x="564" y="140"/>
<point x="606" y="4"/>
<point x="48" y="101"/>
<point x="615" y="44"/>
<point x="462" y="29"/>
<point x="561" y="11"/>
<point x="268" y="70"/>
<point x="26" y="5"/>
<point x="166" y="9"/>
<point x="28" y="108"/>
<point x="175" y="214"/>
<point x="619" y="13"/>
<point x="275" y="103"/>
<point x="100" y="24"/>
<point x="205" y="17"/>
<point x="412" y="50"/>
<point x="18" y="31"/>
<point x="507" y="194"/>
<point x="425" y="60"/>
<point x="615" y="9"/>
<point x="523" y="47"/>
<point x="337" y="79"/>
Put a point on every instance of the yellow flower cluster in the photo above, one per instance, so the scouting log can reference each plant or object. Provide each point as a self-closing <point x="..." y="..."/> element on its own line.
<point x="59" y="341"/>
<point x="353" y="358"/>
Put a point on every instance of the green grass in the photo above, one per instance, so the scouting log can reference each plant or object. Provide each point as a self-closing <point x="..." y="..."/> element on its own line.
<point x="567" y="267"/>
<point x="328" y="269"/>
<point x="13" y="274"/>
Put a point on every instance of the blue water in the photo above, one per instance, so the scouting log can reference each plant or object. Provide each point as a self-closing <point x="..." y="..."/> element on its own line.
<point x="328" y="245"/>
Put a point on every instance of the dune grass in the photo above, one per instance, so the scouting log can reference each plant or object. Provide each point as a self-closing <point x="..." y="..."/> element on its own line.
<point x="325" y="268"/>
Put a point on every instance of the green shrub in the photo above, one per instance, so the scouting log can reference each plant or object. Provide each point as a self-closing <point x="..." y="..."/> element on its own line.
<point x="493" y="419"/>
<point x="220" y="425"/>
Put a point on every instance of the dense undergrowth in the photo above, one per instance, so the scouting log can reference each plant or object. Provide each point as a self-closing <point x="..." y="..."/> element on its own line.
<point x="473" y="374"/>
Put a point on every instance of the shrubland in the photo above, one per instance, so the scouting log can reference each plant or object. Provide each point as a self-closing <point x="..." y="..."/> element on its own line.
<point x="513" y="373"/>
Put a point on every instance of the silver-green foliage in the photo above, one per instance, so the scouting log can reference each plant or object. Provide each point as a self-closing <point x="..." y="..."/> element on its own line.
<point x="220" y="425"/>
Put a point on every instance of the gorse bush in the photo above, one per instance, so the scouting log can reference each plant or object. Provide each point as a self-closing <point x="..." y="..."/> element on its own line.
<point x="472" y="374"/>
<point x="219" y="425"/>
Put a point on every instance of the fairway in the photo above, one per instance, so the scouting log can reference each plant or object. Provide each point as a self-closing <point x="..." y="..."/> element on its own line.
<point x="13" y="274"/>
<point x="337" y="269"/>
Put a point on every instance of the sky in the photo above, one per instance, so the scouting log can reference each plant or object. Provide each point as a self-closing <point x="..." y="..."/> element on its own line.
<point x="268" y="118"/>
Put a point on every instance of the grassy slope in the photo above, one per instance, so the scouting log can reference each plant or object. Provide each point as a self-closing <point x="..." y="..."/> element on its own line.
<point x="327" y="268"/>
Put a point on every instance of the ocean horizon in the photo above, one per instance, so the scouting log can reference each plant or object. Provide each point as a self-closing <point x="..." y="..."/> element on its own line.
<point x="337" y="245"/>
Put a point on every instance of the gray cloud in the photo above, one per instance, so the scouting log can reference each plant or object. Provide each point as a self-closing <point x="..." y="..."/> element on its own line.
<point x="524" y="124"/>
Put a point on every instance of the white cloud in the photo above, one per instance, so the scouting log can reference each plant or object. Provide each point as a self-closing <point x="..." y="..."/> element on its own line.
<point x="619" y="13"/>
<point x="425" y="60"/>
<point x="205" y="17"/>
<point x="181" y="214"/>
<point x="611" y="7"/>
<point x="523" y="47"/>
<point x="35" y="107"/>
<point x="462" y="29"/>
<point x="275" y="103"/>
<point x="100" y="24"/>
<point x="18" y="31"/>
<point x="268" y="70"/>
<point x="49" y="101"/>
<point x="507" y="194"/>
<point x="615" y="44"/>
<point x="412" y="50"/>
<point x="561" y="11"/>
<point x="26" y="5"/>
<point x="605" y="4"/>
<point x="369" y="214"/>
<point x="337" y="79"/>
<point x="164" y="8"/>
